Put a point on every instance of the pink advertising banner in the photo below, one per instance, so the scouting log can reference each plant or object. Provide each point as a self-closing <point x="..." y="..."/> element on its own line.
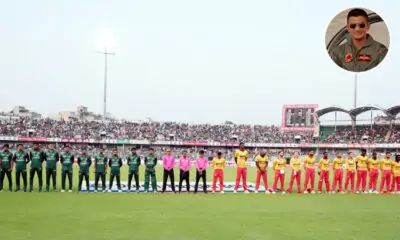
<point x="32" y="139"/>
<point x="195" y="143"/>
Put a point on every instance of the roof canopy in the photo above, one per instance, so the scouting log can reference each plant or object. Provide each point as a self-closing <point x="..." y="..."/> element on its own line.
<point x="353" y="113"/>
<point x="357" y="111"/>
<point x="324" y="111"/>
<point x="394" y="110"/>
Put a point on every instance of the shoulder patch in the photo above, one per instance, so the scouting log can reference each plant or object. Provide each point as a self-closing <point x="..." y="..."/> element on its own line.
<point x="348" y="57"/>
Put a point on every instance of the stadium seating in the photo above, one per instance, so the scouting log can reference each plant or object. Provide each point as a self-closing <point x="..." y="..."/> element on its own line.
<point x="154" y="131"/>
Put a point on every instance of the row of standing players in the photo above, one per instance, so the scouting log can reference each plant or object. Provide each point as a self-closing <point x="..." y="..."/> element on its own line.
<point x="102" y="164"/>
<point x="361" y="165"/>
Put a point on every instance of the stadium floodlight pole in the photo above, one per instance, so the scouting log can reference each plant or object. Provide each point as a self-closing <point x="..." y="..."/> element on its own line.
<point x="106" y="53"/>
<point x="355" y="90"/>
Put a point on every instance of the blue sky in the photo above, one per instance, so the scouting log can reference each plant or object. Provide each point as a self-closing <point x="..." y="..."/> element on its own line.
<point x="190" y="61"/>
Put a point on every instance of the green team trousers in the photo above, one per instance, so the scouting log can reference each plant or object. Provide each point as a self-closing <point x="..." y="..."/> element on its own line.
<point x="147" y="174"/>
<point x="133" y="173"/>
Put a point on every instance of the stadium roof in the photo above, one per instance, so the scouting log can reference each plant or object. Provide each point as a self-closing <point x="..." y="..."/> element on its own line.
<point x="336" y="33"/>
<point x="394" y="110"/>
<point x="324" y="111"/>
<point x="390" y="112"/>
<point x="357" y="111"/>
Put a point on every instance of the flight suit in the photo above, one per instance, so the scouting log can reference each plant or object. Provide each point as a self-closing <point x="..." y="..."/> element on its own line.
<point x="349" y="58"/>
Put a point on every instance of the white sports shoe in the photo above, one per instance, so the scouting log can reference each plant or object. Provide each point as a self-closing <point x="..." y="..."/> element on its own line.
<point x="376" y="192"/>
<point x="273" y="192"/>
<point x="95" y="191"/>
<point x="213" y="191"/>
<point x="109" y="190"/>
<point x="312" y="192"/>
<point x="305" y="192"/>
<point x="247" y="191"/>
<point x="358" y="192"/>
<point x="120" y="190"/>
<point x="222" y="192"/>
<point x="267" y="192"/>
<point x="256" y="191"/>
<point x="234" y="191"/>
<point x="69" y="190"/>
<point x="63" y="190"/>
<point x="370" y="191"/>
<point x="283" y="192"/>
<point x="104" y="191"/>
<point x="319" y="192"/>
<point x="342" y="192"/>
<point x="333" y="192"/>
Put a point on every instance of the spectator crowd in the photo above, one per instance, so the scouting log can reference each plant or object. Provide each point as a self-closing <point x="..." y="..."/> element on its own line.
<point x="364" y="134"/>
<point x="174" y="131"/>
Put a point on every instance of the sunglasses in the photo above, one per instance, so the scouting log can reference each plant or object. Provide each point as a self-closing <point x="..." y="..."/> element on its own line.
<point x="360" y="25"/>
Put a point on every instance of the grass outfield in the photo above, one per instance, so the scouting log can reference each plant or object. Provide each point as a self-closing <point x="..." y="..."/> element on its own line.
<point x="188" y="216"/>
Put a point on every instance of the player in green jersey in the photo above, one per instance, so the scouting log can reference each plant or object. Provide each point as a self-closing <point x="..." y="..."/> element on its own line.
<point x="150" y="162"/>
<point x="133" y="163"/>
<point x="115" y="164"/>
<point x="51" y="157"/>
<point x="84" y="162"/>
<point x="100" y="169"/>
<point x="37" y="158"/>
<point x="20" y="159"/>
<point x="6" y="166"/>
<point x="67" y="160"/>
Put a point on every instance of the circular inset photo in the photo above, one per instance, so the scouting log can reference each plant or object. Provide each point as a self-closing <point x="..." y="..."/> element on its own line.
<point x="357" y="39"/>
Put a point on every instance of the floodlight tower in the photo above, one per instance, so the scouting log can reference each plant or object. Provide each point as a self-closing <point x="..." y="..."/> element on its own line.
<point x="355" y="90"/>
<point x="106" y="42"/>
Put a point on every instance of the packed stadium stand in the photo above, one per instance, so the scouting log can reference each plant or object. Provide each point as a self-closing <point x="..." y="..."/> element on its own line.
<point x="152" y="131"/>
<point x="170" y="131"/>
<point x="383" y="133"/>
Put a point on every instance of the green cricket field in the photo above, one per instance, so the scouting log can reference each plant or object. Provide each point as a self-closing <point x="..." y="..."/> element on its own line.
<point x="142" y="216"/>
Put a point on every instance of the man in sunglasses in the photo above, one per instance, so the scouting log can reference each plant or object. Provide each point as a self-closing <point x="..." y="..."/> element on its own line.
<point x="362" y="52"/>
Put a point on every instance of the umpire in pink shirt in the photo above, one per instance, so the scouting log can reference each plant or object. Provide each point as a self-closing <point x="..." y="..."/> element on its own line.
<point x="184" y="167"/>
<point x="169" y="164"/>
<point x="201" y="166"/>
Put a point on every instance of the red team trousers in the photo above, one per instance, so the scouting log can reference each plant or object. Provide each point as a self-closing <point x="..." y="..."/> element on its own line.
<point x="349" y="179"/>
<point x="281" y="178"/>
<point x="324" y="177"/>
<point x="296" y="177"/>
<point x="396" y="184"/>
<point x="386" y="175"/>
<point x="218" y="174"/>
<point x="337" y="179"/>
<point x="310" y="176"/>
<point x="373" y="179"/>
<point x="362" y="179"/>
<point x="262" y="175"/>
<point x="241" y="173"/>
